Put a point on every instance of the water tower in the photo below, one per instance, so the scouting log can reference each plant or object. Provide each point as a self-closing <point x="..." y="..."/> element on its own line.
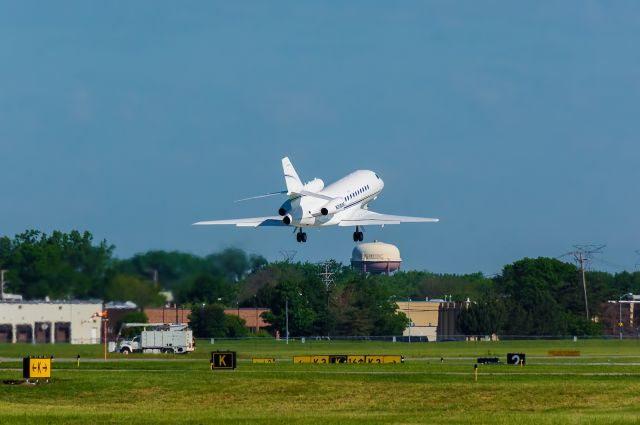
<point x="376" y="257"/>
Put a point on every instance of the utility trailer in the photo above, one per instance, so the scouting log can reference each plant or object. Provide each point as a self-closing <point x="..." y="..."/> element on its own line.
<point x="157" y="338"/>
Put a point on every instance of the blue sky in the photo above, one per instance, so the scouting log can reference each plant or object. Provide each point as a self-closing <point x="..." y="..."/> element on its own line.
<point x="516" y="123"/>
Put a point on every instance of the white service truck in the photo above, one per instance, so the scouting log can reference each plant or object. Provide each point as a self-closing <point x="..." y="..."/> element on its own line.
<point x="157" y="338"/>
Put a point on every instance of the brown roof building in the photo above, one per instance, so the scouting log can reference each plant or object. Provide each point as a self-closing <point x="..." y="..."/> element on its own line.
<point x="250" y="315"/>
<point x="168" y="314"/>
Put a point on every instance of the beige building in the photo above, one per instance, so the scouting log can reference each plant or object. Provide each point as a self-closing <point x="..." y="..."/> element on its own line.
<point x="72" y="322"/>
<point x="431" y="319"/>
<point x="423" y="316"/>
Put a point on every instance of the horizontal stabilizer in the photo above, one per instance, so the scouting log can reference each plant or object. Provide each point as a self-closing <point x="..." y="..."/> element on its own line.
<point x="246" y="222"/>
<point x="282" y="192"/>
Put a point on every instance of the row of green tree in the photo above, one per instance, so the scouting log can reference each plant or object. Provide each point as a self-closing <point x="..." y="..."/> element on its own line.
<point x="529" y="297"/>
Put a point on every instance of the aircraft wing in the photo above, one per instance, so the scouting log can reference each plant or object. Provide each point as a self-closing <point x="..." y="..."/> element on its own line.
<point x="275" y="220"/>
<point x="368" y="218"/>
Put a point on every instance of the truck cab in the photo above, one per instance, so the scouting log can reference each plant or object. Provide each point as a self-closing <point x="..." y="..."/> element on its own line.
<point x="130" y="346"/>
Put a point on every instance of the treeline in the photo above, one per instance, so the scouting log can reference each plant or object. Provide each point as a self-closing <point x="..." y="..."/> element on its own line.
<point x="530" y="297"/>
<point x="544" y="296"/>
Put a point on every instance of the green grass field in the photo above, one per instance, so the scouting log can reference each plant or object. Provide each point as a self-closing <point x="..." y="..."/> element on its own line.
<point x="600" y="386"/>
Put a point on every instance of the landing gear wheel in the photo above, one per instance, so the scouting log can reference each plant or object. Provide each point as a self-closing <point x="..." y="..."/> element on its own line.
<point x="358" y="236"/>
<point x="301" y="236"/>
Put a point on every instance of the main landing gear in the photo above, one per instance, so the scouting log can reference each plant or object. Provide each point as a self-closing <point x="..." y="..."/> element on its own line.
<point x="301" y="236"/>
<point x="358" y="236"/>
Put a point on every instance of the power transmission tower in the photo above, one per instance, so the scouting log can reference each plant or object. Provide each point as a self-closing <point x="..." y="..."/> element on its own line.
<point x="326" y="273"/>
<point x="582" y="254"/>
<point x="288" y="255"/>
<point x="637" y="266"/>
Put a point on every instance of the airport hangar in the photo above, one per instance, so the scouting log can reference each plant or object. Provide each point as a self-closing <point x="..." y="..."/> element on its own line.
<point x="72" y="321"/>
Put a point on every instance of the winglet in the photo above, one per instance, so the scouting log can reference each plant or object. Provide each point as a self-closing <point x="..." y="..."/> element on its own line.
<point x="291" y="179"/>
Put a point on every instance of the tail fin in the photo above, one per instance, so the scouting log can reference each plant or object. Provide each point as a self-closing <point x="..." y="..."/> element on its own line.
<point x="291" y="179"/>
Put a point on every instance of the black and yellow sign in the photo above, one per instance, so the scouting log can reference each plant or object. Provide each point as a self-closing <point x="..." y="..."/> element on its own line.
<point x="338" y="358"/>
<point x="384" y="359"/>
<point x="262" y="360"/>
<point x="223" y="360"/>
<point x="344" y="358"/>
<point x="302" y="359"/>
<point x="320" y="359"/>
<point x="36" y="368"/>
<point x="311" y="359"/>
<point x="356" y="359"/>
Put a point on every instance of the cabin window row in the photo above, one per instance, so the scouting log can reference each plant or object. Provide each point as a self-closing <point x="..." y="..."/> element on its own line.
<point x="357" y="192"/>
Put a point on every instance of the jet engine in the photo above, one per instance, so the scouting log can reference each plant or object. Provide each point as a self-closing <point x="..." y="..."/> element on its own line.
<point x="285" y="208"/>
<point x="315" y="185"/>
<point x="287" y="219"/>
<point x="332" y="206"/>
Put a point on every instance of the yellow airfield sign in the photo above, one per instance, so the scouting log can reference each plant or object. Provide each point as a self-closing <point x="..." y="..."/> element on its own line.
<point x="263" y="360"/>
<point x="345" y="358"/>
<point x="384" y="359"/>
<point x="36" y="368"/>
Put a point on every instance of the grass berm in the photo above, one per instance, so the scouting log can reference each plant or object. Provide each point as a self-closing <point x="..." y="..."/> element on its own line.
<point x="600" y="386"/>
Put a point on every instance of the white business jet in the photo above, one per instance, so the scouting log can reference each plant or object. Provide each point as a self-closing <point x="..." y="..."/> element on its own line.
<point x="343" y="203"/>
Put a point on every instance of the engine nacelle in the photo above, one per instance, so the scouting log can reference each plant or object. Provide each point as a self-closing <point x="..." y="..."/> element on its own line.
<point x="332" y="206"/>
<point x="285" y="208"/>
<point x="287" y="219"/>
<point x="315" y="185"/>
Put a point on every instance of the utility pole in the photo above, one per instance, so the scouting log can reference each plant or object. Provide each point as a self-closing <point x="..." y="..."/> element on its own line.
<point x="326" y="274"/>
<point x="2" y="282"/>
<point x="579" y="256"/>
<point x="582" y="254"/>
<point x="154" y="275"/>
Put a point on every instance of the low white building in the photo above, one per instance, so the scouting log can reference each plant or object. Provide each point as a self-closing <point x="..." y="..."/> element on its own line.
<point x="72" y="322"/>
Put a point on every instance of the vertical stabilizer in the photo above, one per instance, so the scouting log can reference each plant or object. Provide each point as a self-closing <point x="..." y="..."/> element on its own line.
<point x="291" y="178"/>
